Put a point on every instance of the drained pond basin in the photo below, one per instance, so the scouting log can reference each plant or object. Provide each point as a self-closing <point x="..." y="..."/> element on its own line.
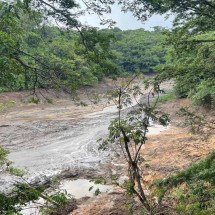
<point x="61" y="145"/>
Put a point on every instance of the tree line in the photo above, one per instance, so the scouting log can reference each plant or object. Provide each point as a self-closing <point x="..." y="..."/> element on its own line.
<point x="38" y="55"/>
<point x="35" y="52"/>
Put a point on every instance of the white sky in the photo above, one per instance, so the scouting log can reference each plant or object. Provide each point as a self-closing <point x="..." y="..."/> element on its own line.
<point x="126" y="21"/>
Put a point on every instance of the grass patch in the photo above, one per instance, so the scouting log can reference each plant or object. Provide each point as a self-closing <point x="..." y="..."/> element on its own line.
<point x="6" y="105"/>
<point x="167" y="97"/>
<point x="193" y="189"/>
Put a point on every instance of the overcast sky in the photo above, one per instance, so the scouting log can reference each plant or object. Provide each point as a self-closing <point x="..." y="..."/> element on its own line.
<point x="126" y="21"/>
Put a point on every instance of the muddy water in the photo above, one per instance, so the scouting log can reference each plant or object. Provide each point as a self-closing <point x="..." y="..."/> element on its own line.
<point x="73" y="147"/>
<point x="76" y="188"/>
<point x="54" y="139"/>
<point x="81" y="188"/>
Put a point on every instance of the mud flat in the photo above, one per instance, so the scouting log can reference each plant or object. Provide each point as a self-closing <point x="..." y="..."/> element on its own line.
<point x="54" y="146"/>
<point x="47" y="139"/>
<point x="61" y="139"/>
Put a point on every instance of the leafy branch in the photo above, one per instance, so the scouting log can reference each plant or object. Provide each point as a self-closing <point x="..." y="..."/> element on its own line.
<point x="129" y="132"/>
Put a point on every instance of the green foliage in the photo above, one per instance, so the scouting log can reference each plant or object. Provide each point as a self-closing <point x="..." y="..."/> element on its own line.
<point x="35" y="54"/>
<point x="3" y="156"/>
<point x="99" y="181"/>
<point x="205" y="94"/>
<point x="22" y="193"/>
<point x="128" y="132"/>
<point x="97" y="192"/>
<point x="34" y="100"/>
<point x="10" y="34"/>
<point x="139" y="50"/>
<point x="193" y="189"/>
<point x="59" y="198"/>
<point x="15" y="171"/>
<point x="203" y="170"/>
<point x="189" y="45"/>
<point x="197" y="15"/>
<point x="129" y="186"/>
<point x="193" y="73"/>
<point x="192" y="67"/>
<point x="167" y="97"/>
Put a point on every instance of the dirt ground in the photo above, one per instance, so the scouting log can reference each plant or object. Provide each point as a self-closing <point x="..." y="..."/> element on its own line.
<point x="165" y="154"/>
<point x="53" y="104"/>
<point x="177" y="147"/>
<point x="23" y="122"/>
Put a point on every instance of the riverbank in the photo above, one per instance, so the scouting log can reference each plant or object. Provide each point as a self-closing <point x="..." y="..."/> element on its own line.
<point x="165" y="154"/>
<point x="25" y="124"/>
<point x="60" y="138"/>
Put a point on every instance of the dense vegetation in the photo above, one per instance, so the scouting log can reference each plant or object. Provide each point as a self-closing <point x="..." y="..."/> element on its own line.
<point x="139" y="50"/>
<point x="37" y="54"/>
<point x="192" y="191"/>
<point x="190" y="57"/>
<point x="191" y="64"/>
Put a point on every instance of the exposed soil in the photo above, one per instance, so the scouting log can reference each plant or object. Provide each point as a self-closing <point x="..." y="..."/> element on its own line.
<point x="165" y="154"/>
<point x="115" y="203"/>
<point x="177" y="147"/>
<point x="54" y="105"/>
<point x="51" y="138"/>
<point x="25" y="125"/>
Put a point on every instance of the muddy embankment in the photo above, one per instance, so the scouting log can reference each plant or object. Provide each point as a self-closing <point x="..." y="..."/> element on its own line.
<point x="61" y="138"/>
<point x="48" y="138"/>
<point x="165" y="153"/>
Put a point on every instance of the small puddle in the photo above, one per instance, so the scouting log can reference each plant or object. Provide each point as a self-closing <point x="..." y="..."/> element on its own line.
<point x="80" y="188"/>
<point x="77" y="188"/>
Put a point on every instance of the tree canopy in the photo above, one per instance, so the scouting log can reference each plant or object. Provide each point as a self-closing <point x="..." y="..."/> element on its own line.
<point x="139" y="50"/>
<point x="190" y="44"/>
<point x="36" y="53"/>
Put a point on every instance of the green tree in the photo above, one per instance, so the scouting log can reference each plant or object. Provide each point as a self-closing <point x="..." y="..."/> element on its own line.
<point x="139" y="50"/>
<point x="37" y="54"/>
<point x="190" y="57"/>
<point x="128" y="134"/>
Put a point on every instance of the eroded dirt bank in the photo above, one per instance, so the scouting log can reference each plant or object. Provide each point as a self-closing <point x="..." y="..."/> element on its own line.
<point x="61" y="137"/>
<point x="24" y="124"/>
<point x="46" y="138"/>
<point x="165" y="153"/>
<point x="51" y="138"/>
